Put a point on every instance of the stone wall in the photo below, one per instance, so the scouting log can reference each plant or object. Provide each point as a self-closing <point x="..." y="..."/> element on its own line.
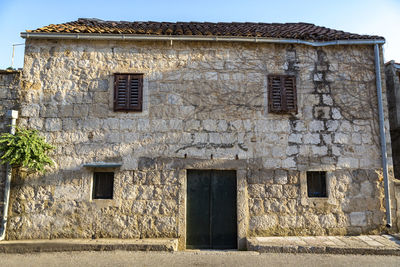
<point x="9" y="85"/>
<point x="392" y="73"/>
<point x="203" y="101"/>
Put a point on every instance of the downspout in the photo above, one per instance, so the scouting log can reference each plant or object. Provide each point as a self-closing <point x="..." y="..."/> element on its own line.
<point x="383" y="136"/>
<point x="13" y="115"/>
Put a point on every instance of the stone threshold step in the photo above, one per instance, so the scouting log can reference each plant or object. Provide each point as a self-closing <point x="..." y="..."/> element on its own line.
<point x="364" y="245"/>
<point x="62" y="245"/>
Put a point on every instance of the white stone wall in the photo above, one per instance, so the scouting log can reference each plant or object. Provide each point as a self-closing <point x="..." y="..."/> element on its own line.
<point x="202" y="100"/>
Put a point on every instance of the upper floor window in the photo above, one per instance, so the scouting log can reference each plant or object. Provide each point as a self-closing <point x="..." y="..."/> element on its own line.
<point x="282" y="96"/>
<point x="128" y="92"/>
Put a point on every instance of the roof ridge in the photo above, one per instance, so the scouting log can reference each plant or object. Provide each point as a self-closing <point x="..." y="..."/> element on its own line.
<point x="289" y="30"/>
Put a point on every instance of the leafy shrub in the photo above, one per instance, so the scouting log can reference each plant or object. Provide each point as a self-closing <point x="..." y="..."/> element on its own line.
<point x="25" y="149"/>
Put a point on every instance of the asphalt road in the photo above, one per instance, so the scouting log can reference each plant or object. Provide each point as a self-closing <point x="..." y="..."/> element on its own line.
<point x="191" y="258"/>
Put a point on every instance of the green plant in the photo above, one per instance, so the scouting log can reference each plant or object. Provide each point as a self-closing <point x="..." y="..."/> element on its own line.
<point x="25" y="149"/>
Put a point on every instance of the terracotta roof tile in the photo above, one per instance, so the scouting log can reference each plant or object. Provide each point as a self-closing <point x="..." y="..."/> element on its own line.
<point x="302" y="31"/>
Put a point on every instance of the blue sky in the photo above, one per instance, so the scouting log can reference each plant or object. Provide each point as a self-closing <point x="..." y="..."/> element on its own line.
<point x="379" y="17"/>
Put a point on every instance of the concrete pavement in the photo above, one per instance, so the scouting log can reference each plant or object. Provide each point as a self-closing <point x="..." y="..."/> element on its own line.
<point x="59" y="245"/>
<point x="192" y="258"/>
<point x="371" y="244"/>
<point x="367" y="244"/>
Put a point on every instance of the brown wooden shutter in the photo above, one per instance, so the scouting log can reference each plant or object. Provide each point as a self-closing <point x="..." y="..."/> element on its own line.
<point x="282" y="95"/>
<point x="121" y="91"/>
<point x="128" y="92"/>
<point x="135" y="92"/>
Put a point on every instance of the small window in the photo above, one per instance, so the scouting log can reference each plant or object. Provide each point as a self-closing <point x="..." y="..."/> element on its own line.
<point x="128" y="92"/>
<point x="282" y="96"/>
<point x="103" y="183"/>
<point x="316" y="184"/>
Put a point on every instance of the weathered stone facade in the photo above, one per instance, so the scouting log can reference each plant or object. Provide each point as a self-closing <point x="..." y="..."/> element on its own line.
<point x="205" y="107"/>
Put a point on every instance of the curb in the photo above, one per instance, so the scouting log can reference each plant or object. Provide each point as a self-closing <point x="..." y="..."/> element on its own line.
<point x="29" y="246"/>
<point x="323" y="250"/>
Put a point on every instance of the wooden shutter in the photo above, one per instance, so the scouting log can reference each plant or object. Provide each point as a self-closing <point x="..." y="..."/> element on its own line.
<point x="282" y="94"/>
<point x="128" y="92"/>
<point x="135" y="92"/>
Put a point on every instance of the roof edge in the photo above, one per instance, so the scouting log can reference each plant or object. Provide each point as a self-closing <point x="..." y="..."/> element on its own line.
<point x="142" y="37"/>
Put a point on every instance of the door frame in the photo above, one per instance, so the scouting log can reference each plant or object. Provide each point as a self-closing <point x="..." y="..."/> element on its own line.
<point x="242" y="208"/>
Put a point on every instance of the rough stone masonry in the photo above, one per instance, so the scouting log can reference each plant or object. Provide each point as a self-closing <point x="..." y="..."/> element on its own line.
<point x="205" y="107"/>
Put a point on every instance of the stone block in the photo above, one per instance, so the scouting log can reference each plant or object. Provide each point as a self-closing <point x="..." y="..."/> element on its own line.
<point x="263" y="222"/>
<point x="111" y="124"/>
<point x="192" y="125"/>
<point x="358" y="219"/>
<point x="280" y="176"/>
<point x="30" y="110"/>
<point x="66" y="111"/>
<point x="319" y="150"/>
<point x="48" y="111"/>
<point x="295" y="138"/>
<point x="322" y="112"/>
<point x="266" y="176"/>
<point x="53" y="124"/>
<point x="336" y="115"/>
<point x="256" y="191"/>
<point x="328" y="220"/>
<point x="327" y="100"/>
<point x="316" y="126"/>
<point x="332" y="125"/>
<point x="292" y="150"/>
<point x="341" y="138"/>
<point x="344" y="162"/>
<point x="143" y="125"/>
<point x="99" y="110"/>
<point x="278" y="151"/>
<point x="311" y="139"/>
<point x="300" y="126"/>
<point x="290" y="191"/>
<point x="81" y="111"/>
<point x="175" y="125"/>
<point x="36" y="123"/>
<point x="289" y="163"/>
<point x="274" y="191"/>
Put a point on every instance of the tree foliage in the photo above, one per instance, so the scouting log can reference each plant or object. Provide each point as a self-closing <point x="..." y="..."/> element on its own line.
<point x="25" y="149"/>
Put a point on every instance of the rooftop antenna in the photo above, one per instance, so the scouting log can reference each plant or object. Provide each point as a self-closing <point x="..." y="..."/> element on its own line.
<point x="12" y="58"/>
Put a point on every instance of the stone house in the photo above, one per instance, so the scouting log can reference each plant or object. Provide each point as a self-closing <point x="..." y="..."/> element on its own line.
<point x="204" y="132"/>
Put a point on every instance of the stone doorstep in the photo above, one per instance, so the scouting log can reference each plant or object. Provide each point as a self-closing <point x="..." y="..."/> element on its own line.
<point x="368" y="245"/>
<point x="62" y="245"/>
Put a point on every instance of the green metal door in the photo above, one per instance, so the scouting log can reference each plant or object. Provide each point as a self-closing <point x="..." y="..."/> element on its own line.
<point x="211" y="209"/>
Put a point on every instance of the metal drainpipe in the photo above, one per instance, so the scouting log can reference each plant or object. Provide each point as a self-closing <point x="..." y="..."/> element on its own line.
<point x="383" y="136"/>
<point x="13" y="115"/>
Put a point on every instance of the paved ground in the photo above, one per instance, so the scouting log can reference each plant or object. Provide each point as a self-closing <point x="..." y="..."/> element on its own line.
<point x="103" y="244"/>
<point x="192" y="258"/>
<point x="367" y="244"/>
